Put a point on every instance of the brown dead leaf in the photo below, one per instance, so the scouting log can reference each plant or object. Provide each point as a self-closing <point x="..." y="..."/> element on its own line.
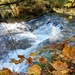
<point x="58" y="65"/>
<point x="66" y="51"/>
<point x="69" y="53"/>
<point x="6" y="71"/>
<point x="21" y="56"/>
<point x="42" y="60"/>
<point x="29" y="60"/>
<point x="61" y="68"/>
<point x="56" y="46"/>
<point x="18" y="61"/>
<point x="73" y="55"/>
<point x="58" y="73"/>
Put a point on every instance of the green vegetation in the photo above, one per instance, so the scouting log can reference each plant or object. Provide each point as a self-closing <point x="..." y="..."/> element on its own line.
<point x="28" y="9"/>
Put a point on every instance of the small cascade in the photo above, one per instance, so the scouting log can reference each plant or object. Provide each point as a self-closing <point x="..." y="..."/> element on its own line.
<point x="27" y="37"/>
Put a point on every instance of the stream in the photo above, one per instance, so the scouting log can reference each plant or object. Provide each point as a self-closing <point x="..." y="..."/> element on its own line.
<point x="25" y="37"/>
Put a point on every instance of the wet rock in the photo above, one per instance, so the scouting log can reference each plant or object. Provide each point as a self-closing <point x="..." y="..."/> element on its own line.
<point x="20" y="44"/>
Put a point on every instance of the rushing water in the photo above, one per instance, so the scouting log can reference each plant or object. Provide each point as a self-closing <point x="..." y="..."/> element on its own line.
<point x="23" y="38"/>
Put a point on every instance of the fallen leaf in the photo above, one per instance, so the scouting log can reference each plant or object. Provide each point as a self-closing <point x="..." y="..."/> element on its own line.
<point x="58" y="65"/>
<point x="66" y="51"/>
<point x="56" y="46"/>
<point x="73" y="55"/>
<point x="61" y="68"/>
<point x="58" y="73"/>
<point x="69" y="17"/>
<point x="1" y="72"/>
<point x="68" y="5"/>
<point x="21" y="56"/>
<point x="32" y="54"/>
<point x="69" y="53"/>
<point x="7" y="71"/>
<point x="18" y="61"/>
<point x="42" y="60"/>
<point x="71" y="1"/>
<point x="34" y="70"/>
<point x="29" y="60"/>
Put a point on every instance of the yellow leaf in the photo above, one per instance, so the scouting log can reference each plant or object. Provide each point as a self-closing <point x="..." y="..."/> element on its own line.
<point x="34" y="69"/>
<point x="1" y="72"/>
<point x="61" y="55"/>
<point x="17" y="10"/>
<point x="73" y="4"/>
<point x="49" y="71"/>
<point x="8" y="1"/>
<point x="46" y="2"/>
<point x="69" y="17"/>
<point x="71" y="1"/>
<point x="68" y="5"/>
<point x="54" y="9"/>
<point x="64" y="71"/>
<point x="2" y="1"/>
<point x="32" y="54"/>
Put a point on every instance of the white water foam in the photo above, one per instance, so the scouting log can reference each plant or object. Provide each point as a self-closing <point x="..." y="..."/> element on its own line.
<point x="46" y="31"/>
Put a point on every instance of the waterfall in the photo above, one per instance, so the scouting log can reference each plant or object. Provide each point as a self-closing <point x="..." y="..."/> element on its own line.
<point x="27" y="36"/>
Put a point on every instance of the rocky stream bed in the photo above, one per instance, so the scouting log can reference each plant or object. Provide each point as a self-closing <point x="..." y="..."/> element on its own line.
<point x="25" y="37"/>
